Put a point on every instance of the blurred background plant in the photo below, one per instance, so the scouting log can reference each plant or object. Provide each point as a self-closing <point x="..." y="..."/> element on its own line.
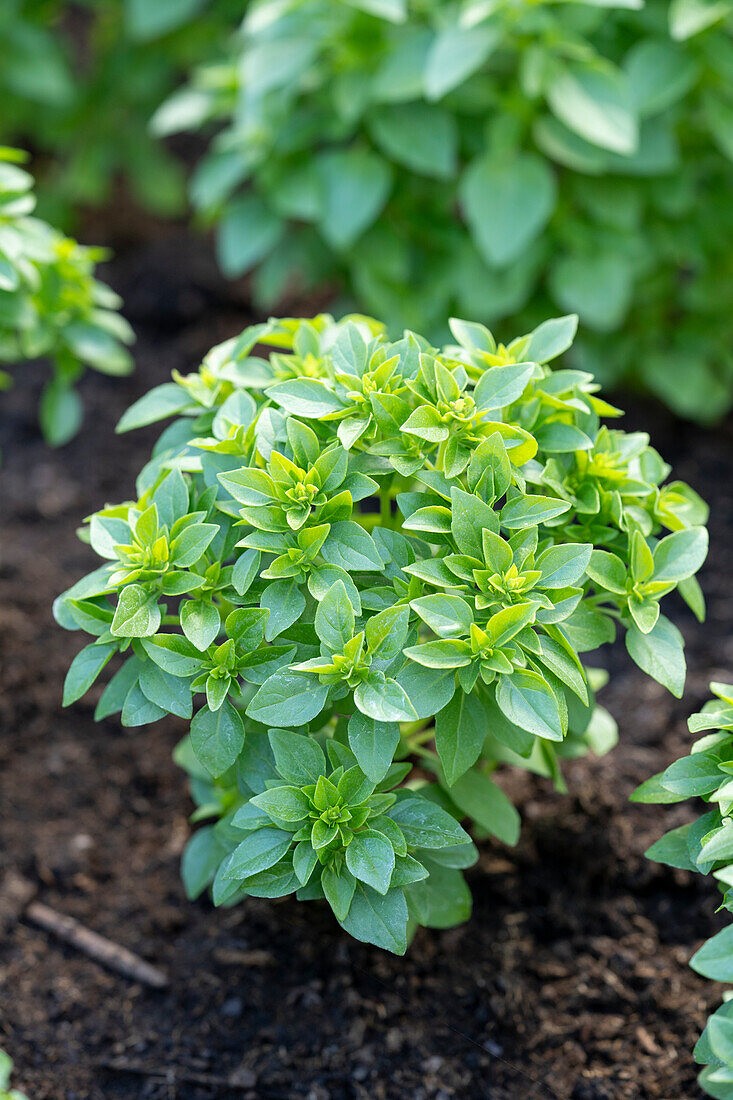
<point x="79" y="82"/>
<point x="52" y="305"/>
<point x="499" y="160"/>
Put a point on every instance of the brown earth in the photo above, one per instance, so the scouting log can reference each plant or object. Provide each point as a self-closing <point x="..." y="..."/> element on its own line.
<point x="569" y="981"/>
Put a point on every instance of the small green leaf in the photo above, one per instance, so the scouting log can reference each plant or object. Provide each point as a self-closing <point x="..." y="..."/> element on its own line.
<point x="371" y="859"/>
<point x="217" y="737"/>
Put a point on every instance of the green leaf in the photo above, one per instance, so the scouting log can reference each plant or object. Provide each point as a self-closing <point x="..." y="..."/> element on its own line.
<point x="653" y="791"/>
<point x="385" y="701"/>
<point x="257" y="852"/>
<point x="165" y="690"/>
<point x="563" y="566"/>
<point x="660" y="654"/>
<point x="173" y="654"/>
<point x="460" y="731"/>
<point x="455" y="54"/>
<point x="370" y="858"/>
<point x="689" y="17"/>
<point x="501" y="386"/>
<point x="338" y="889"/>
<point x="283" y="803"/>
<point x="551" y="338"/>
<point x="680" y="554"/>
<point x="445" y="615"/>
<point x="425" y="824"/>
<point x="715" y="958"/>
<point x="200" y="622"/>
<point x="60" y="412"/>
<point x="200" y="861"/>
<point x="422" y="137"/>
<point x="217" y="737"/>
<point x="137" y="614"/>
<point x="608" y="571"/>
<point x="85" y="668"/>
<point x="386" y="632"/>
<point x="594" y="102"/>
<point x="428" y="690"/>
<point x="598" y="287"/>
<point x="191" y="544"/>
<point x="380" y="919"/>
<point x="528" y="701"/>
<point x="482" y="800"/>
<point x="145" y="21"/>
<point x="693" y="775"/>
<point x="335" y="618"/>
<point x="162" y="401"/>
<point x="307" y="397"/>
<point x="373" y="744"/>
<point x="288" y="698"/>
<point x="246" y="568"/>
<point x="285" y="602"/>
<point x="298" y="759"/>
<point x="442" y="900"/>
<point x="659" y="74"/>
<point x="507" y="203"/>
<point x="356" y="185"/>
<point x="531" y="510"/>
<point x="246" y="234"/>
<point x="672" y="850"/>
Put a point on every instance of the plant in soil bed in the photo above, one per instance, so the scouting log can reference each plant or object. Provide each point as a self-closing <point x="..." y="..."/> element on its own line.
<point x="51" y="304"/>
<point x="705" y="845"/>
<point x="366" y="572"/>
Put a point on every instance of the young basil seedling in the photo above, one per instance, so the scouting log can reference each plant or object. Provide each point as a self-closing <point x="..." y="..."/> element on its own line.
<point x="705" y="845"/>
<point x="52" y="306"/>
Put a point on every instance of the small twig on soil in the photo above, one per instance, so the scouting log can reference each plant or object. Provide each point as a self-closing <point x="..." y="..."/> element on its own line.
<point x="97" y="947"/>
<point x="177" y="1075"/>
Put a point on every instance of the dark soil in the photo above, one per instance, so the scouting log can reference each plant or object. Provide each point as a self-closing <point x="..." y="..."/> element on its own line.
<point x="570" y="981"/>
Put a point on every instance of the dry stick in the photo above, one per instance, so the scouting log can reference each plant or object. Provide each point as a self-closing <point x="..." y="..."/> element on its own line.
<point x="174" y="1074"/>
<point x="97" y="947"/>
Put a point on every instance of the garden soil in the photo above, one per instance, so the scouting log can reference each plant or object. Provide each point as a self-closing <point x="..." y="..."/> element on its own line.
<point x="570" y="981"/>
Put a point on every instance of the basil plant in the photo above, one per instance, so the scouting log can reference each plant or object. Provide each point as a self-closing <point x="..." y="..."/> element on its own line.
<point x="706" y="845"/>
<point x="496" y="160"/>
<point x="365" y="571"/>
<point x="51" y="304"/>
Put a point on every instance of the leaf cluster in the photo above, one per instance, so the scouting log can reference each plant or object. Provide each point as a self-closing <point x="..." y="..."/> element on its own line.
<point x="393" y="558"/>
<point x="51" y="304"/>
<point x="705" y="845"/>
<point x="494" y="160"/>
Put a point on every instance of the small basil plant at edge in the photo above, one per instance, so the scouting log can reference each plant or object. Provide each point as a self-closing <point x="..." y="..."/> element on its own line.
<point x="52" y="305"/>
<point x="365" y="571"/>
<point x="705" y="845"/>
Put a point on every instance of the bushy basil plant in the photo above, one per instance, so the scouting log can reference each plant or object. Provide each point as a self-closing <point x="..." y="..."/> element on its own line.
<point x="365" y="571"/>
<point x="706" y="845"/>
<point x="491" y="159"/>
<point x="51" y="304"/>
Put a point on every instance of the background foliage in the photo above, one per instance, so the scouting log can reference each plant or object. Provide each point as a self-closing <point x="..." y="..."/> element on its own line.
<point x="52" y="305"/>
<point x="493" y="159"/>
<point x="375" y="565"/>
<point x="80" y="81"/>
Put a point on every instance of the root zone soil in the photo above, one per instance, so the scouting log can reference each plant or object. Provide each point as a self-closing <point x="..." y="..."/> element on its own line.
<point x="570" y="981"/>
